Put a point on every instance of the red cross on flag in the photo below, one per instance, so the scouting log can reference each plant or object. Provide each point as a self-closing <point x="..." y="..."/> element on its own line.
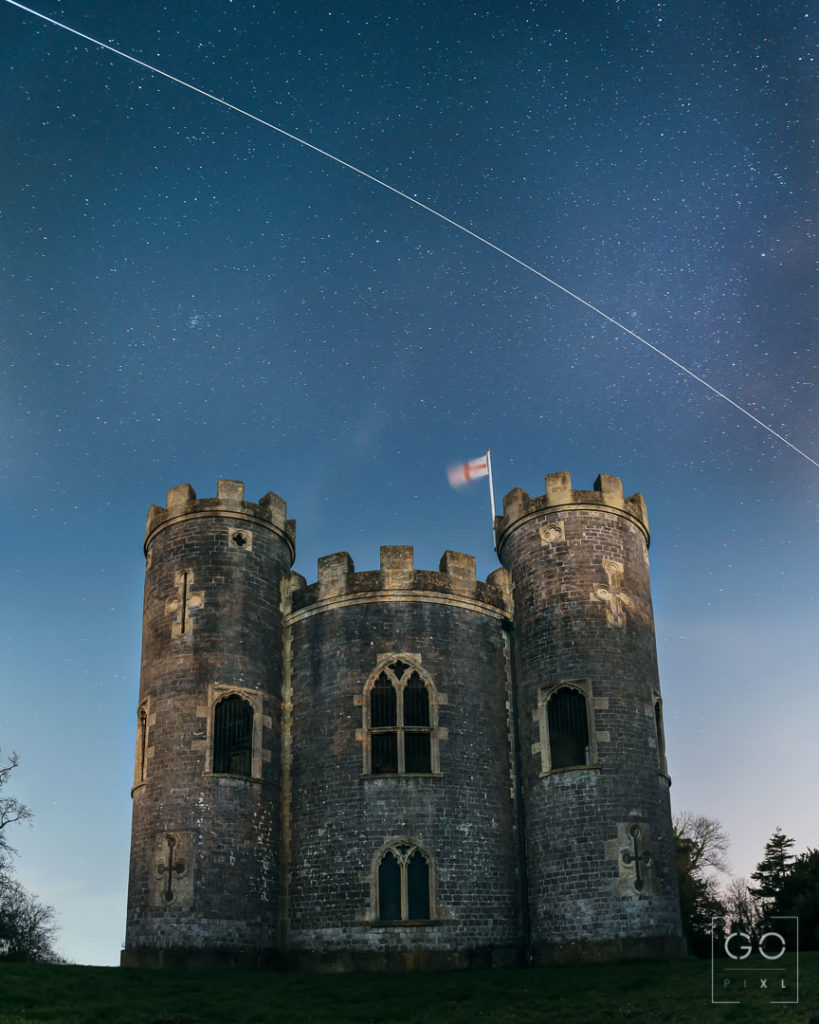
<point x="466" y="472"/>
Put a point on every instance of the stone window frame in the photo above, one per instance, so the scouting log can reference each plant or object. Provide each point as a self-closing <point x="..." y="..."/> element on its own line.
<point x="217" y="692"/>
<point x="143" y="749"/>
<point x="436" y="734"/>
<point x="393" y="845"/>
<point x="240" y="538"/>
<point x="541" y="717"/>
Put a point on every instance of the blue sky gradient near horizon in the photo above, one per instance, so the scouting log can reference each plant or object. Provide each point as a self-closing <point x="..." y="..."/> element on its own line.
<point x="186" y="295"/>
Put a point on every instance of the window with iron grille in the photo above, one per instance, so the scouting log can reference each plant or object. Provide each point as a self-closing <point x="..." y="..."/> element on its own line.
<point x="403" y="880"/>
<point x="232" y="736"/>
<point x="568" y="728"/>
<point x="400" y="721"/>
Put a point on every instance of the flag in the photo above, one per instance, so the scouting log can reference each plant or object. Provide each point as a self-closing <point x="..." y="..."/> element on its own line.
<point x="466" y="472"/>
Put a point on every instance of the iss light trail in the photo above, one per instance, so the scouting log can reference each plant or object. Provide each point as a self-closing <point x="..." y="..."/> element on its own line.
<point x="435" y="213"/>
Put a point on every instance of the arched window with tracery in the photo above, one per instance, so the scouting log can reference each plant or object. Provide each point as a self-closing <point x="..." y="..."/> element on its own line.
<point x="568" y="728"/>
<point x="403" y="883"/>
<point x="232" y="736"/>
<point x="399" y="721"/>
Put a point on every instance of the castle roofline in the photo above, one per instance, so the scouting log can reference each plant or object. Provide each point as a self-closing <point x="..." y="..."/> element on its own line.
<point x="607" y="496"/>
<point x="270" y="511"/>
<point x="398" y="579"/>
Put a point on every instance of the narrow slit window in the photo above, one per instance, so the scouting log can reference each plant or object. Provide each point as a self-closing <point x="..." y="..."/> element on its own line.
<point x="143" y="743"/>
<point x="658" y="724"/>
<point x="141" y="771"/>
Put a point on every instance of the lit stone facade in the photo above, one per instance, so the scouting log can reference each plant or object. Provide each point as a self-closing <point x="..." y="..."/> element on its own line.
<point x="403" y="768"/>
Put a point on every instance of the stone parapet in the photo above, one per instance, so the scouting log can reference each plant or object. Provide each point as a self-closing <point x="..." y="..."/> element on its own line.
<point x="270" y="511"/>
<point x="607" y="496"/>
<point x="398" y="579"/>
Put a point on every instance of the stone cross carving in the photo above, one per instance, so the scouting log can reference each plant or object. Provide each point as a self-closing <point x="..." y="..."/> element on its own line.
<point x="173" y="867"/>
<point x="612" y="594"/>
<point x="183" y="603"/>
<point x="636" y="858"/>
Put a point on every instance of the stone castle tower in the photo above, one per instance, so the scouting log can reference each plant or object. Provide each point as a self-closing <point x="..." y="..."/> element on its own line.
<point x="401" y="768"/>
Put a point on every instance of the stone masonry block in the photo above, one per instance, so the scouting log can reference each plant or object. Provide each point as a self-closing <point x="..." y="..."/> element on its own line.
<point x="461" y="568"/>
<point x="611" y="490"/>
<point x="275" y="507"/>
<point x="230" y="492"/>
<point x="397" y="566"/>
<point x="333" y="571"/>
<point x="558" y="488"/>
<point x="179" y="498"/>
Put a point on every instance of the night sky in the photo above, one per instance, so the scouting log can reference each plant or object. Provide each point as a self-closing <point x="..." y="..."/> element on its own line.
<point x="186" y="295"/>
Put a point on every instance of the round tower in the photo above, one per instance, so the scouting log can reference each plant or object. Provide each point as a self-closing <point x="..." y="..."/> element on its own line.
<point x="205" y="847"/>
<point x="402" y="851"/>
<point x="599" y="850"/>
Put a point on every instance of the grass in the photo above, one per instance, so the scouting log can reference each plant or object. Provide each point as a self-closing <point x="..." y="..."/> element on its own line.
<point x="647" y="992"/>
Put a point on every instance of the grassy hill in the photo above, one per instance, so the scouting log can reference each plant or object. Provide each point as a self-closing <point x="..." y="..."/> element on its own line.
<point x="661" y="992"/>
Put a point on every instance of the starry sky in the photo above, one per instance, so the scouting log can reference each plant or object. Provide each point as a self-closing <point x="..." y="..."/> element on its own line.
<point x="186" y="294"/>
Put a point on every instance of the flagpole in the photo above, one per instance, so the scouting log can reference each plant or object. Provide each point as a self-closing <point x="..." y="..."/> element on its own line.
<point x="491" y="494"/>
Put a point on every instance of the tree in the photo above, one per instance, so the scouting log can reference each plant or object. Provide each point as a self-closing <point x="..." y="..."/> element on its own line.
<point x="11" y="810"/>
<point x="699" y="843"/>
<point x="798" y="896"/>
<point x="705" y="839"/>
<point x="772" y="870"/>
<point x="741" y="907"/>
<point x="27" y="926"/>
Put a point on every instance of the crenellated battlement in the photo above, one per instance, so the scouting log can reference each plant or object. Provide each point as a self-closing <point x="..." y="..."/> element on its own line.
<point x="607" y="496"/>
<point x="182" y="503"/>
<point x="398" y="579"/>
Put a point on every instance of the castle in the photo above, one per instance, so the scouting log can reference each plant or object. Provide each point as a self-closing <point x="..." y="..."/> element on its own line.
<point x="403" y="768"/>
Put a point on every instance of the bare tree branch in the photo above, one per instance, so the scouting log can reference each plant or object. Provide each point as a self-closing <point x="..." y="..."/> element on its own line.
<point x="706" y="842"/>
<point x="11" y="809"/>
<point x="27" y="926"/>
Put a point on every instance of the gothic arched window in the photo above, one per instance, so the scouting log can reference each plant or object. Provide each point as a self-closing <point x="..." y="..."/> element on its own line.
<point x="232" y="736"/>
<point x="568" y="728"/>
<point x="403" y="884"/>
<point x="398" y="708"/>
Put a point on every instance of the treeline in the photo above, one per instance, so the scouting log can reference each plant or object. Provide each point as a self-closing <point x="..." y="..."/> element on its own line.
<point x="783" y="885"/>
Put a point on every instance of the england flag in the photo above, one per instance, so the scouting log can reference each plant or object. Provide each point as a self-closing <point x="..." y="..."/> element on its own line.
<point x="466" y="472"/>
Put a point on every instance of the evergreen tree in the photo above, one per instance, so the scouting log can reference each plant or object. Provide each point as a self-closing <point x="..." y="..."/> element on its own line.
<point x="772" y="870"/>
<point x="798" y="896"/>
